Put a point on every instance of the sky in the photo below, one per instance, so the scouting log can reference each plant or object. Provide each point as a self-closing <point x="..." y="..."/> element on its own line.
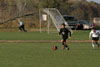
<point x="98" y="1"/>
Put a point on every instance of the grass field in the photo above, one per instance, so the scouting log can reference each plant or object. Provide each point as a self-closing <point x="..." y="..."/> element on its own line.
<point x="77" y="35"/>
<point x="42" y="55"/>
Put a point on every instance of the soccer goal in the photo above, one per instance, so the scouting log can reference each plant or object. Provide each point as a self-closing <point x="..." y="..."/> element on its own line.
<point x="51" y="18"/>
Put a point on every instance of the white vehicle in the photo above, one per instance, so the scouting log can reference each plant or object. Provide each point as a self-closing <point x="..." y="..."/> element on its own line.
<point x="96" y="21"/>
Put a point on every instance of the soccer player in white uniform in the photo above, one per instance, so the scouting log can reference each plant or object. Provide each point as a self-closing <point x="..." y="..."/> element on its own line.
<point x="94" y="35"/>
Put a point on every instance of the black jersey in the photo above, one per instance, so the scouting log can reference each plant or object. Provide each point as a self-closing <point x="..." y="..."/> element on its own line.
<point x="64" y="32"/>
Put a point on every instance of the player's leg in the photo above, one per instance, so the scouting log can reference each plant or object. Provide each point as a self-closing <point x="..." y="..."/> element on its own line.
<point x="65" y="43"/>
<point x="97" y="43"/>
<point x="62" y="41"/>
<point x="20" y="28"/>
<point x="66" y="46"/>
<point x="93" y="46"/>
<point x="23" y="28"/>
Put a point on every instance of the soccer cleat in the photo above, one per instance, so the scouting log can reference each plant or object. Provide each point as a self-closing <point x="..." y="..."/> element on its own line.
<point x="63" y="47"/>
<point x="68" y="48"/>
<point x="98" y="46"/>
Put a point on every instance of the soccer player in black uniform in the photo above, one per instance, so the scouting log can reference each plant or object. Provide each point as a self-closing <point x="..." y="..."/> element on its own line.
<point x="64" y="31"/>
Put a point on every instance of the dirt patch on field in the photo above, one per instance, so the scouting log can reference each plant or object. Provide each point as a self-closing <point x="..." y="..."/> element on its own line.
<point x="41" y="41"/>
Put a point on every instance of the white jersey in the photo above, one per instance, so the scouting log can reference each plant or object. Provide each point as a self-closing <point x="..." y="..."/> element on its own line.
<point x="94" y="34"/>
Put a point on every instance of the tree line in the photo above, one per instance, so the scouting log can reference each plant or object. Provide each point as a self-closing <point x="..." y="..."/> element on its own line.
<point x="80" y="9"/>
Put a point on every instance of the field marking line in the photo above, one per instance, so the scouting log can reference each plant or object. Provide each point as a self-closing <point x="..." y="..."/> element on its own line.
<point x="42" y="41"/>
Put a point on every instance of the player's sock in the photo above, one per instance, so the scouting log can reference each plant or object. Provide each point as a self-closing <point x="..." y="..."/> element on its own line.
<point x="97" y="44"/>
<point x="93" y="45"/>
<point x="63" y="45"/>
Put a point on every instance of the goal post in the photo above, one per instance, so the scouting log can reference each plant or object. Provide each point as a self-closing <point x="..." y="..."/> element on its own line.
<point x="51" y="17"/>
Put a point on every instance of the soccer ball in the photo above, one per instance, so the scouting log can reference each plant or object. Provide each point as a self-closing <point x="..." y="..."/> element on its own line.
<point x="55" y="47"/>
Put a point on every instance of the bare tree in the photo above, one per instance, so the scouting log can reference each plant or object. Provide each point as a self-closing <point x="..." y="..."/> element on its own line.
<point x="21" y="4"/>
<point x="23" y="8"/>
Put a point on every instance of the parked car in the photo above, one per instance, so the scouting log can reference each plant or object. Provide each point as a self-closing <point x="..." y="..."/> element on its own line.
<point x="70" y="20"/>
<point x="96" y="21"/>
<point x="85" y="24"/>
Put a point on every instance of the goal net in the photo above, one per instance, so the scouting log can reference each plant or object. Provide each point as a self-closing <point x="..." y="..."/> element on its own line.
<point x="51" y="19"/>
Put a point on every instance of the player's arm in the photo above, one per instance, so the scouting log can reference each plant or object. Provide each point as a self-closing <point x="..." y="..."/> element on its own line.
<point x="60" y="32"/>
<point x="99" y="33"/>
<point x="18" y="21"/>
<point x="70" y="34"/>
<point x="90" y="35"/>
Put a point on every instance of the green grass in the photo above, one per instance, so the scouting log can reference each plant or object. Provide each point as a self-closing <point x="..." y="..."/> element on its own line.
<point x="77" y="35"/>
<point x="42" y="55"/>
<point x="27" y="36"/>
<point x="81" y="35"/>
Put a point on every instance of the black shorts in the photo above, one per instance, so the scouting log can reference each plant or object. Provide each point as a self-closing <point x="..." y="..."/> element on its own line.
<point x="22" y="26"/>
<point x="64" y="39"/>
<point x="95" y="38"/>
